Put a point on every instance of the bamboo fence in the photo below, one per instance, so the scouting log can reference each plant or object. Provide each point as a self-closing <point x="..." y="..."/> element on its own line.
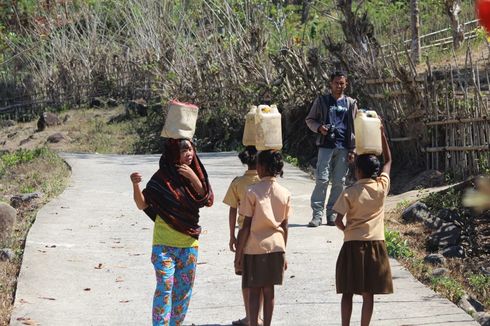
<point x="440" y="118"/>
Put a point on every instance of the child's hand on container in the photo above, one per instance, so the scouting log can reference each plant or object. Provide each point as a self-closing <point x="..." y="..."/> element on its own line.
<point x="232" y="244"/>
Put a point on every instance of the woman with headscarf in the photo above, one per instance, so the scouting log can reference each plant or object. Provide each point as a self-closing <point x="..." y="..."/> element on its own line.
<point x="172" y="199"/>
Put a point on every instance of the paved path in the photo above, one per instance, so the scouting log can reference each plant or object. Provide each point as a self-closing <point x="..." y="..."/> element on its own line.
<point x="87" y="262"/>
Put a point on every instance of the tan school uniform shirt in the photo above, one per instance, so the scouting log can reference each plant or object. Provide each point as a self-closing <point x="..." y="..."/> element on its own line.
<point x="363" y="205"/>
<point x="237" y="191"/>
<point x="268" y="204"/>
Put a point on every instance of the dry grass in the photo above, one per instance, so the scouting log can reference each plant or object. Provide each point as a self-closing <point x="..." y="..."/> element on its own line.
<point x="47" y="174"/>
<point x="85" y="130"/>
<point x="460" y="270"/>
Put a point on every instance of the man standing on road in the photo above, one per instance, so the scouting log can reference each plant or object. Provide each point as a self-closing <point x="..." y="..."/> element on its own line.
<point x="332" y="117"/>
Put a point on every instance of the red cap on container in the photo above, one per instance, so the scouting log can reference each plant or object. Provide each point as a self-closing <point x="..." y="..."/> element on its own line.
<point x="190" y="105"/>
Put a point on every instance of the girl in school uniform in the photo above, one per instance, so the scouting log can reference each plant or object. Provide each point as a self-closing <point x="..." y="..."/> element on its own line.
<point x="234" y="196"/>
<point x="362" y="266"/>
<point x="260" y="253"/>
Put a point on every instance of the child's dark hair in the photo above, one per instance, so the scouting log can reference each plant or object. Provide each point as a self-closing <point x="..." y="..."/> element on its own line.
<point x="248" y="156"/>
<point x="272" y="161"/>
<point x="369" y="165"/>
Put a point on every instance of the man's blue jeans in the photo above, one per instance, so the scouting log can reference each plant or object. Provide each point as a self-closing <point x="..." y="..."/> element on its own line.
<point x="331" y="166"/>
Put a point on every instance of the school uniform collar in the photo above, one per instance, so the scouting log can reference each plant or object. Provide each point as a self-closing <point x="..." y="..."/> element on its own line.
<point x="251" y="172"/>
<point x="365" y="181"/>
<point x="268" y="178"/>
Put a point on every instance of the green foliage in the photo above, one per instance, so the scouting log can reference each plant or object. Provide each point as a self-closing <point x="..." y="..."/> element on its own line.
<point x="402" y="204"/>
<point x="396" y="246"/>
<point x="448" y="286"/>
<point x="20" y="156"/>
<point x="450" y="199"/>
<point x="291" y="160"/>
<point x="480" y="284"/>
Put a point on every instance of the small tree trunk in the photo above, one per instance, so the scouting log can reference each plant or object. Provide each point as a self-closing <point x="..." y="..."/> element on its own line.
<point x="415" y="22"/>
<point x="453" y="9"/>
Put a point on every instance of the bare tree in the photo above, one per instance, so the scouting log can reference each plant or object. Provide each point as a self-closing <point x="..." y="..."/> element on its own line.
<point x="453" y="9"/>
<point x="415" y="23"/>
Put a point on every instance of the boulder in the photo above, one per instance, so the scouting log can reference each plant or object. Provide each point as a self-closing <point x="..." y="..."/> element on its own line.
<point x="55" y="138"/>
<point x="447" y="215"/>
<point x="18" y="200"/>
<point x="137" y="107"/>
<point x="433" y="222"/>
<point x="111" y="102"/>
<point x="426" y="179"/>
<point x="417" y="212"/>
<point x="95" y="103"/>
<point x="453" y="252"/>
<point x="483" y="318"/>
<point x="435" y="259"/>
<point x="7" y="123"/>
<point x="24" y="141"/>
<point x="446" y="236"/>
<point x="7" y="254"/>
<point x="47" y="119"/>
<point x="440" y="271"/>
<point x="8" y="215"/>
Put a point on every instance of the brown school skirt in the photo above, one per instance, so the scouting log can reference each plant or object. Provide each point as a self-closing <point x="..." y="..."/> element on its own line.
<point x="363" y="267"/>
<point x="263" y="270"/>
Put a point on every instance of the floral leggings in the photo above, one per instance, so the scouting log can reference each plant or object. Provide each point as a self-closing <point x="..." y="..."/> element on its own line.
<point x="175" y="270"/>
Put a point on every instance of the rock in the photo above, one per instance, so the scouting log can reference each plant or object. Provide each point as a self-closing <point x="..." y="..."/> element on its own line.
<point x="111" y="102"/>
<point x="416" y="212"/>
<point x="433" y="222"/>
<point x="435" y="259"/>
<point x="483" y="318"/>
<point x="453" y="252"/>
<point x="440" y="271"/>
<point x="6" y="254"/>
<point x="426" y="179"/>
<point x="55" y="138"/>
<point x="18" y="200"/>
<point x="47" y="119"/>
<point x="7" y="123"/>
<point x="479" y="307"/>
<point x="24" y="141"/>
<point x="95" y="103"/>
<point x="446" y="236"/>
<point x="8" y="215"/>
<point x="447" y="215"/>
<point x="137" y="107"/>
<point x="466" y="305"/>
<point x="66" y="118"/>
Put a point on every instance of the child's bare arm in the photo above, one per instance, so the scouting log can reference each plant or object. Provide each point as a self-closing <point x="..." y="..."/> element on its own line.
<point x="138" y="197"/>
<point x="339" y="221"/>
<point x="284" y="226"/>
<point x="232" y="222"/>
<point x="386" y="152"/>
<point x="243" y="235"/>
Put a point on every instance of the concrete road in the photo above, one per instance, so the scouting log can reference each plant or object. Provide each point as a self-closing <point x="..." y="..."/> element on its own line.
<point x="87" y="259"/>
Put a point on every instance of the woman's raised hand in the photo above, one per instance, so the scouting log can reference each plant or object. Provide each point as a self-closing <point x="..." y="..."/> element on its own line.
<point x="135" y="177"/>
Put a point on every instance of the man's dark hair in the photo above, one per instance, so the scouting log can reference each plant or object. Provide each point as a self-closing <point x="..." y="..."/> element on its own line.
<point x="337" y="74"/>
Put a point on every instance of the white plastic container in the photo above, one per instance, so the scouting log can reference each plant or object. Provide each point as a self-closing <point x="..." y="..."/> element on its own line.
<point x="181" y="120"/>
<point x="368" y="133"/>
<point x="269" y="131"/>
<point x="249" y="132"/>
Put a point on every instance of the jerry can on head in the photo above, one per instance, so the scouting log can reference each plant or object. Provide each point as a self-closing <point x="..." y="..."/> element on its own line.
<point x="368" y="133"/>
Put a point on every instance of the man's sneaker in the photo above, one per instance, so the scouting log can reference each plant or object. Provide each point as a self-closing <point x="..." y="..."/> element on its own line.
<point x="315" y="222"/>
<point x="331" y="223"/>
